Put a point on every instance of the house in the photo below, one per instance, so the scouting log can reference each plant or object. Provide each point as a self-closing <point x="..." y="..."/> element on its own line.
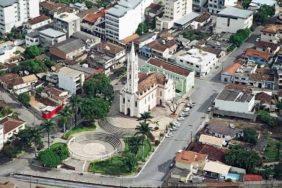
<point x="86" y="70"/>
<point x="215" y="7"/>
<point x="201" y="20"/>
<point x="71" y="49"/>
<point x="16" y="84"/>
<point x="212" y="140"/>
<point x="183" y="79"/>
<point x="142" y="91"/>
<point x="263" y="78"/>
<point x="181" y="175"/>
<point x="32" y="39"/>
<point x="216" y="170"/>
<point x="232" y="19"/>
<point x="190" y="160"/>
<point x="258" y="57"/>
<point x="51" y="8"/>
<point x="107" y="56"/>
<point x="196" y="59"/>
<point x="8" y="52"/>
<point x="37" y="22"/>
<point x="124" y="12"/>
<point x="227" y="75"/>
<point x="223" y="129"/>
<point x="56" y="95"/>
<point x="94" y="23"/>
<point x="159" y="48"/>
<point x="270" y="47"/>
<point x="173" y="10"/>
<point x="49" y="37"/>
<point x="271" y="33"/>
<point x="154" y="10"/>
<point x="14" y="13"/>
<point x="144" y="40"/>
<point x="264" y="99"/>
<point x="67" y="22"/>
<point x="236" y="103"/>
<point x="88" y="39"/>
<point x="70" y="79"/>
<point x="10" y="126"/>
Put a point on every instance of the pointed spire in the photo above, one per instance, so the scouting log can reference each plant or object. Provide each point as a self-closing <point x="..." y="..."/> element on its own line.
<point x="132" y="52"/>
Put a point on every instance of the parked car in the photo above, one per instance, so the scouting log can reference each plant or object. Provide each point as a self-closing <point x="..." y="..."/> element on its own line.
<point x="186" y="109"/>
<point x="180" y="119"/>
<point x="184" y="114"/>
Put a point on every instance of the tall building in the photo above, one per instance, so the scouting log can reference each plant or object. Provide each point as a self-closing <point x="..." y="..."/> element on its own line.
<point x="142" y="91"/>
<point x="214" y="6"/>
<point x="13" y="13"/>
<point x="174" y="10"/>
<point x="67" y="22"/>
<point x="123" y="19"/>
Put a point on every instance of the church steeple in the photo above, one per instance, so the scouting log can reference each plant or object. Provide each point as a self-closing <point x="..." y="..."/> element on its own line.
<point x="132" y="71"/>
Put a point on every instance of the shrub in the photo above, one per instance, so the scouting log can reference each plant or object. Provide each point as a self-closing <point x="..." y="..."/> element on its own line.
<point x="157" y="142"/>
<point x="250" y="135"/>
<point x="265" y="117"/>
<point x="240" y="36"/>
<point x="24" y="98"/>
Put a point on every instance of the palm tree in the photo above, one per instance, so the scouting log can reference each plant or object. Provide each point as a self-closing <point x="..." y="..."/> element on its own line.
<point x="145" y="116"/>
<point x="75" y="102"/>
<point x="64" y="116"/>
<point x="36" y="140"/>
<point x="144" y="131"/>
<point x="48" y="125"/>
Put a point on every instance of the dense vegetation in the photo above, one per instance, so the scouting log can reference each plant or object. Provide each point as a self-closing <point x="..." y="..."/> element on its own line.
<point x="240" y="36"/>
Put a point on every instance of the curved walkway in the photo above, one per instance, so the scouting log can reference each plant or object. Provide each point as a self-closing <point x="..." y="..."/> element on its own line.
<point x="117" y="131"/>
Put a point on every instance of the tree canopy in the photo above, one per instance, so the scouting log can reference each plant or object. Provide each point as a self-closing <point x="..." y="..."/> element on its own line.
<point x="32" y="52"/>
<point x="94" y="108"/>
<point x="240" y="36"/>
<point x="24" y="98"/>
<point x="263" y="13"/>
<point x="246" y="3"/>
<point x="250" y="135"/>
<point x="265" y="117"/>
<point x="32" y="66"/>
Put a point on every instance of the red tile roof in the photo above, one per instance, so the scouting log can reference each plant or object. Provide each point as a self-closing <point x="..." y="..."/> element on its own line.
<point x="232" y="68"/>
<point x="213" y="153"/>
<point x="162" y="46"/>
<point x="272" y="28"/>
<point x="38" y="19"/>
<point x="93" y="17"/>
<point x="173" y="68"/>
<point x="190" y="157"/>
<point x="10" y="124"/>
<point x="252" y="52"/>
<point x="146" y="81"/>
<point x="263" y="97"/>
<point x="252" y="177"/>
<point x="265" y="45"/>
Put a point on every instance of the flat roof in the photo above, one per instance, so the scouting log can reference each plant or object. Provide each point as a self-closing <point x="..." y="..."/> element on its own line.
<point x="197" y="56"/>
<point x="187" y="18"/>
<point x="52" y="33"/>
<point x="234" y="95"/>
<point x="217" y="167"/>
<point x="69" y="72"/>
<point x="235" y="12"/>
<point x="6" y="3"/>
<point x="123" y="6"/>
<point x="67" y="17"/>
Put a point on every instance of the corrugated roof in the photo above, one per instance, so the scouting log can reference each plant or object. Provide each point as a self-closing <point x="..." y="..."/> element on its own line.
<point x="217" y="167"/>
<point x="211" y="140"/>
<point x="235" y="12"/>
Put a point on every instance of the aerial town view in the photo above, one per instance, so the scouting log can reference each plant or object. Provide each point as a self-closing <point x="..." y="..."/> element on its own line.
<point x="140" y="93"/>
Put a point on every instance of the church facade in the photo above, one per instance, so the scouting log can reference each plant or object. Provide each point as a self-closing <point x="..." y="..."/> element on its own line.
<point x="143" y="91"/>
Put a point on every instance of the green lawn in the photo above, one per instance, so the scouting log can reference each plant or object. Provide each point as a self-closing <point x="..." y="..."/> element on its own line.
<point x="78" y="129"/>
<point x="142" y="154"/>
<point x="271" y="152"/>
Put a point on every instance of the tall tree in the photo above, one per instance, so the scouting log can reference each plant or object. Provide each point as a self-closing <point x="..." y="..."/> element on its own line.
<point x="32" y="52"/>
<point x="65" y="115"/>
<point x="143" y="129"/>
<point x="246" y="3"/>
<point x="48" y="126"/>
<point x="145" y="116"/>
<point x="75" y="102"/>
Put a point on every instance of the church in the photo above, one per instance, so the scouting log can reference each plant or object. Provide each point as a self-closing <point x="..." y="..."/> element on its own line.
<point x="143" y="91"/>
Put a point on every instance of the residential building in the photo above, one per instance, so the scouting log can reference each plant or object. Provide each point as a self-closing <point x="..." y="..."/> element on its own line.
<point x="49" y="37"/>
<point x="51" y="8"/>
<point x="145" y="39"/>
<point x="215" y="6"/>
<point x="152" y="11"/>
<point x="271" y="33"/>
<point x="212" y="140"/>
<point x="86" y="70"/>
<point x="16" y="84"/>
<point x="67" y="22"/>
<point x="10" y="126"/>
<point x="107" y="56"/>
<point x="70" y="49"/>
<point x="190" y="160"/>
<point x="196" y="59"/>
<point x="174" y="10"/>
<point x="8" y="52"/>
<point x="70" y="79"/>
<point x="201" y="20"/>
<point x="198" y="5"/>
<point x="16" y="12"/>
<point x="143" y="92"/>
<point x="32" y="39"/>
<point x="236" y="103"/>
<point x="269" y="47"/>
<point x="216" y="170"/>
<point x="124" y="12"/>
<point x="88" y="39"/>
<point x="259" y="57"/>
<point x="183" y="79"/>
<point x="56" y="95"/>
<point x="228" y="74"/>
<point x="232" y="19"/>
<point x="37" y="22"/>
<point x="94" y="23"/>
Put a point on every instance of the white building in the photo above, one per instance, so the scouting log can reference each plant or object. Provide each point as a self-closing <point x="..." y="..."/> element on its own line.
<point x="199" y="4"/>
<point x="272" y="33"/>
<point x="214" y="6"/>
<point x="70" y="79"/>
<point x="13" y="13"/>
<point x="235" y="101"/>
<point x="50" y="37"/>
<point x="67" y="22"/>
<point x="174" y="10"/>
<point x="37" y="22"/>
<point x="232" y="19"/>
<point x="1" y="136"/>
<point x="123" y="19"/>
<point x="256" y="4"/>
<point x="142" y="91"/>
<point x="200" y="61"/>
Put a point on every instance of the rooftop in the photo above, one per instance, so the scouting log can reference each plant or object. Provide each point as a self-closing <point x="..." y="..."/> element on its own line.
<point x="211" y="140"/>
<point x="272" y="28"/>
<point x="67" y="17"/>
<point x="109" y="48"/>
<point x="162" y="45"/>
<point x="250" y="52"/>
<point x="217" y="167"/>
<point x="146" y="81"/>
<point x="203" y="17"/>
<point x="52" y="33"/>
<point x="6" y="3"/>
<point x="169" y="67"/>
<point x="123" y="6"/>
<point x="69" y="45"/>
<point x="213" y="153"/>
<point x="222" y="127"/>
<point x="232" y="69"/>
<point x="187" y="18"/>
<point x="10" y="124"/>
<point x="190" y="157"/>
<point x="266" y="45"/>
<point x="197" y="56"/>
<point x="38" y="19"/>
<point x="264" y="97"/>
<point x="234" y="95"/>
<point x="94" y="16"/>
<point x="235" y="12"/>
<point x="69" y="72"/>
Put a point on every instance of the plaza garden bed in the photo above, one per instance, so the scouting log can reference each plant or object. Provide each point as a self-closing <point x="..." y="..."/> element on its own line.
<point x="125" y="163"/>
<point x="54" y="155"/>
<point x="86" y="126"/>
<point x="273" y="150"/>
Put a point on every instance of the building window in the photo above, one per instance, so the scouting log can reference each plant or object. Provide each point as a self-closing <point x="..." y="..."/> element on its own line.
<point x="161" y="93"/>
<point x="228" y="22"/>
<point x="123" y="100"/>
<point x="135" y="103"/>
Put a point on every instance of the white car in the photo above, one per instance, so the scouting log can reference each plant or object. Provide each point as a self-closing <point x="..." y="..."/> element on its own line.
<point x="168" y="135"/>
<point x="186" y="109"/>
<point x="184" y="114"/>
<point x="180" y="119"/>
<point x="175" y="123"/>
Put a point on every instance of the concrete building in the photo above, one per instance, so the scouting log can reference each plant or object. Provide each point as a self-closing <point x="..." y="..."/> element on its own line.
<point x="183" y="79"/>
<point x="7" y="52"/>
<point x="232" y="19"/>
<point x="70" y="79"/>
<point x="198" y="5"/>
<point x="123" y="19"/>
<point x="10" y="127"/>
<point x="272" y="33"/>
<point x="13" y="13"/>
<point x="67" y="22"/>
<point x="214" y="6"/>
<point x="174" y="10"/>
<point x="143" y="92"/>
<point x="49" y="37"/>
<point x="235" y="101"/>
<point x="200" y="61"/>
<point x="212" y="140"/>
<point x="37" y="22"/>
<point x="256" y="4"/>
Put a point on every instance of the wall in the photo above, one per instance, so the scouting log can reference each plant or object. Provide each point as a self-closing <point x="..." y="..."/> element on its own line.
<point x="234" y="25"/>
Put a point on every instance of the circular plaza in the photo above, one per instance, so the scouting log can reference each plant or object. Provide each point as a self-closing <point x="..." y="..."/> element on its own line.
<point x="93" y="146"/>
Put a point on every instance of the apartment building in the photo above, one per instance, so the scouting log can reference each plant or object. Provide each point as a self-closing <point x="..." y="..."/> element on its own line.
<point x="232" y="19"/>
<point x="174" y="10"/>
<point x="123" y="19"/>
<point x="70" y="79"/>
<point x="214" y="6"/>
<point x="13" y="13"/>
<point x="67" y="22"/>
<point x="272" y="33"/>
